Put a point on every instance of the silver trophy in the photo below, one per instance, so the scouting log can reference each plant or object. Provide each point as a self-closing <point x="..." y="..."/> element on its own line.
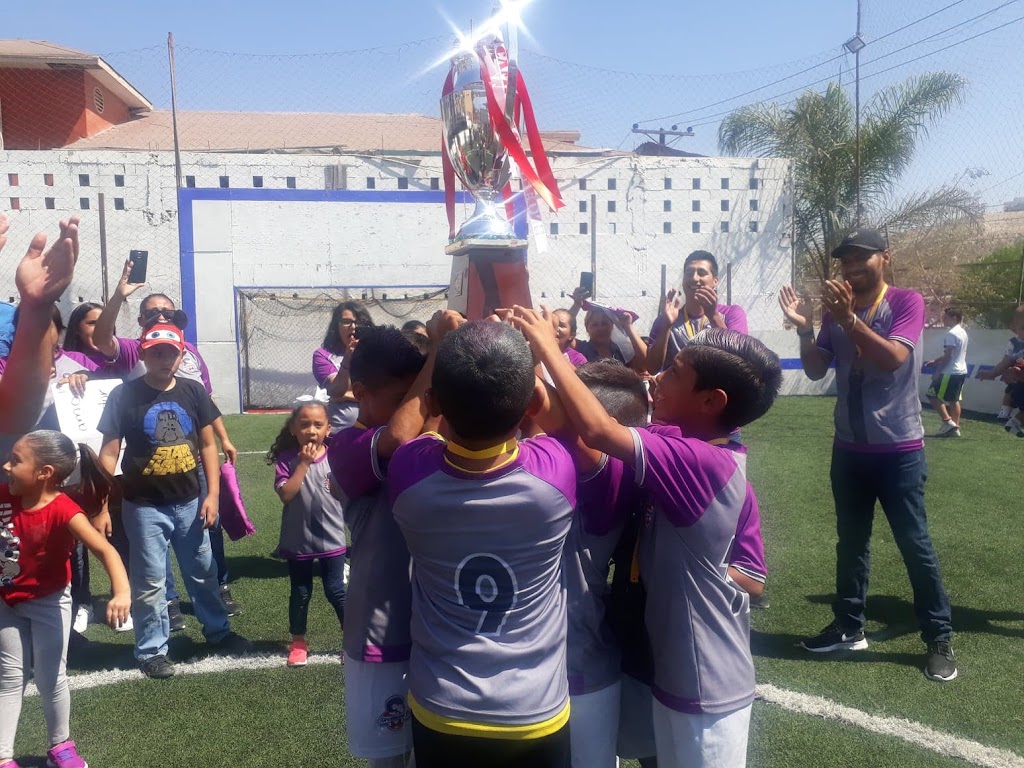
<point x="476" y="152"/>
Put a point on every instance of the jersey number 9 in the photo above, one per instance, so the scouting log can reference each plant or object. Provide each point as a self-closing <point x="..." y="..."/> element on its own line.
<point x="486" y="583"/>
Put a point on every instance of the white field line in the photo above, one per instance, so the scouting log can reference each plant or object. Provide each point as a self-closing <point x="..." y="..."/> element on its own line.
<point x="211" y="664"/>
<point x="805" y="704"/>
<point x="913" y="733"/>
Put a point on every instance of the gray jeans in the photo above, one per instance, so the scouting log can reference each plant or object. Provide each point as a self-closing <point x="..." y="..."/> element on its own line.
<point x="34" y="643"/>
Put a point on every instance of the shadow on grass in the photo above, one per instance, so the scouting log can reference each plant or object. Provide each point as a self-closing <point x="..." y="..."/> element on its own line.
<point x="255" y="567"/>
<point x="897" y="617"/>
<point x="86" y="655"/>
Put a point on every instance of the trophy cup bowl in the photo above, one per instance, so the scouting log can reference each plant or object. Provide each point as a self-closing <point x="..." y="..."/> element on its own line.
<point x="476" y="153"/>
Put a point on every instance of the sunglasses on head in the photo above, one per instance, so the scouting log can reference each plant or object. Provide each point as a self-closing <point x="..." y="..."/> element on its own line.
<point x="175" y="317"/>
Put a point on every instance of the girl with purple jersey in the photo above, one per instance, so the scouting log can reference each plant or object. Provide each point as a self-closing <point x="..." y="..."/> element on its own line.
<point x="312" y="522"/>
<point x="329" y="367"/>
<point x="697" y="616"/>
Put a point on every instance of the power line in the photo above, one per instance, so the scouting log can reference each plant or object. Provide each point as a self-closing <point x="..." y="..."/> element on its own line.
<point x="711" y="119"/>
<point x="802" y="71"/>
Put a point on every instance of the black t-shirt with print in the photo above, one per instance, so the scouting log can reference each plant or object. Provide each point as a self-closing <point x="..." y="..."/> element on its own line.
<point x="161" y="438"/>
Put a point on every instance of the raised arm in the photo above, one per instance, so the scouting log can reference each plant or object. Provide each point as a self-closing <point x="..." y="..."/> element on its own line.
<point x="595" y="427"/>
<point x="41" y="278"/>
<point x="407" y="422"/>
<point x="639" y="361"/>
<point x="103" y="334"/>
<point x="814" y="359"/>
<point x="658" y="348"/>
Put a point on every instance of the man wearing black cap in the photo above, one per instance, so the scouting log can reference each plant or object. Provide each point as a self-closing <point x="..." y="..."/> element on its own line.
<point x="873" y="334"/>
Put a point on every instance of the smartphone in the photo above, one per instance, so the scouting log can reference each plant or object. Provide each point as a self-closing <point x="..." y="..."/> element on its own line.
<point x="139" y="260"/>
<point x="587" y="282"/>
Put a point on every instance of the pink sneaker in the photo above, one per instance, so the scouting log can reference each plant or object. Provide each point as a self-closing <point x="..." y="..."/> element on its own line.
<point x="9" y="764"/>
<point x="64" y="755"/>
<point x="297" y="653"/>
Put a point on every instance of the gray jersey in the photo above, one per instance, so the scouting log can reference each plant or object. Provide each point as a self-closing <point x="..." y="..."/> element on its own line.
<point x="489" y="607"/>
<point x="313" y="522"/>
<point x="378" y="602"/>
<point x="604" y="502"/>
<point x="698" y="619"/>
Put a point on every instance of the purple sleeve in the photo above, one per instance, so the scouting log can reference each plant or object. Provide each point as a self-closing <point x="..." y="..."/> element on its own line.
<point x="82" y="360"/>
<point x="547" y="458"/>
<point x="658" y="327"/>
<point x="128" y="351"/>
<point x="825" y="334"/>
<point x="283" y="468"/>
<point x="747" y="554"/>
<point x="352" y="455"/>
<point x="683" y="475"/>
<point x="735" y="318"/>
<point x="575" y="357"/>
<point x="604" y="496"/>
<point x="323" y="368"/>
<point x="412" y="462"/>
<point x="907" y="317"/>
<point x="204" y="372"/>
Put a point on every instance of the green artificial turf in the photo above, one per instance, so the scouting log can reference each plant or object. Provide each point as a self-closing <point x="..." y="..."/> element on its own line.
<point x="296" y="718"/>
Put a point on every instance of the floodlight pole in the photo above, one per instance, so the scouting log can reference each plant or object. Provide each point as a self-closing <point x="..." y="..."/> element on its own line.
<point x="174" y="109"/>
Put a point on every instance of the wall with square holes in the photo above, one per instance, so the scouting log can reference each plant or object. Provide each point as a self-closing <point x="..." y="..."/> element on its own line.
<point x="335" y="221"/>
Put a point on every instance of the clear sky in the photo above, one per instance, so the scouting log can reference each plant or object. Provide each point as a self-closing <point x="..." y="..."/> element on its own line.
<point x="594" y="65"/>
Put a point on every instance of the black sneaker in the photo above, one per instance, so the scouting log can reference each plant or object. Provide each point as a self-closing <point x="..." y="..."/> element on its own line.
<point x="234" y="609"/>
<point x="174" y="615"/>
<point x="760" y="602"/>
<point x="157" y="667"/>
<point x="941" y="664"/>
<point x="233" y="644"/>
<point x="835" y="638"/>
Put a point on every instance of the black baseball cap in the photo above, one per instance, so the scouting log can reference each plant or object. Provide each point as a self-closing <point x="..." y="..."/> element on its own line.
<point x="870" y="240"/>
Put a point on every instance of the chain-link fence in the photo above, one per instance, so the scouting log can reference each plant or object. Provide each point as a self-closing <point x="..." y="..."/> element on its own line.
<point x="280" y="331"/>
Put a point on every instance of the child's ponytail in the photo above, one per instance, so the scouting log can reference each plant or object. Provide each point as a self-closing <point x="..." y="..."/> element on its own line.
<point x="57" y="449"/>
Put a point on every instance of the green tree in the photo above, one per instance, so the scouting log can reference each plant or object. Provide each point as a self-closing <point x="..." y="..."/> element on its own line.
<point x="990" y="288"/>
<point x="818" y="132"/>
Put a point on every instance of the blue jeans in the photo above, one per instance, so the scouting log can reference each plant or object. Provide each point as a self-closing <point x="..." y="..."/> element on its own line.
<point x="216" y="544"/>
<point x="151" y="530"/>
<point x="897" y="481"/>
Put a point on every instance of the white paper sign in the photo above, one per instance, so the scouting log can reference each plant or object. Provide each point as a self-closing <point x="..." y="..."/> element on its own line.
<point x="79" y="416"/>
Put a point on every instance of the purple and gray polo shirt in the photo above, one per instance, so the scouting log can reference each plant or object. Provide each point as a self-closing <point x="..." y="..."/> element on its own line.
<point x="604" y="501"/>
<point x="378" y="602"/>
<point x="735" y="320"/>
<point x="313" y="522"/>
<point x="703" y="517"/>
<point x="879" y="411"/>
<point x="489" y="606"/>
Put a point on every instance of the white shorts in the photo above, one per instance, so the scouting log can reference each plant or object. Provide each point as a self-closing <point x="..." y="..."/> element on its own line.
<point x="711" y="741"/>
<point x="593" y="727"/>
<point x="377" y="715"/>
<point x="636" y="729"/>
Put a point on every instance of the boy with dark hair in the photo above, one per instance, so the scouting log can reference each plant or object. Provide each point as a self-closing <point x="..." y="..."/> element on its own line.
<point x="390" y="377"/>
<point x="166" y="423"/>
<point x="607" y="496"/>
<point x="946" y="390"/>
<point x="485" y="517"/>
<point x="681" y="321"/>
<point x="1009" y="368"/>
<point x="703" y="508"/>
<point x="873" y="334"/>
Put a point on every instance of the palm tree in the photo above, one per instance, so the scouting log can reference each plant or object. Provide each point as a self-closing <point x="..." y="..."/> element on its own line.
<point x="818" y="133"/>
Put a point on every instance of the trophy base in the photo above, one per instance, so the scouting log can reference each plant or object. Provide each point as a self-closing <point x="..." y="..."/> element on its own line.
<point x="487" y="274"/>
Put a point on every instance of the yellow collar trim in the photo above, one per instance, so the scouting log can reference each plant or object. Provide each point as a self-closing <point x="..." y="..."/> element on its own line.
<point x="484" y="453"/>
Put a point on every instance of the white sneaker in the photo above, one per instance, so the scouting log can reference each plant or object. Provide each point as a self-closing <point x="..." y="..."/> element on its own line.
<point x="1004" y="413"/>
<point x="949" y="429"/>
<point x="83" y="618"/>
<point x="1014" y="427"/>
<point x="128" y="625"/>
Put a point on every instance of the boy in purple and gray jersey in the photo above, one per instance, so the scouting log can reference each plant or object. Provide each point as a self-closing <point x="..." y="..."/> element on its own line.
<point x="486" y="517"/>
<point x="606" y="496"/>
<point x="873" y="334"/>
<point x="390" y="373"/>
<point x="697" y="616"/>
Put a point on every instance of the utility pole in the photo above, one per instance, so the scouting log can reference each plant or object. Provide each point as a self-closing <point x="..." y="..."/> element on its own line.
<point x="855" y="45"/>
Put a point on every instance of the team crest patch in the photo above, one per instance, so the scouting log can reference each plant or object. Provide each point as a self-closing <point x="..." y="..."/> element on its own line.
<point x="395" y="715"/>
<point x="189" y="365"/>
